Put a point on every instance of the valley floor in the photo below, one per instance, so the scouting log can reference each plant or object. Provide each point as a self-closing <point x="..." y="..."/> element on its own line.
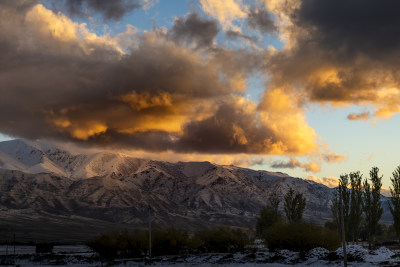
<point x="82" y="256"/>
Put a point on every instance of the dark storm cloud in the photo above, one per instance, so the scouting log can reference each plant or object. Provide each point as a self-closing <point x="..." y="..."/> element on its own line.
<point x="230" y="130"/>
<point x="349" y="28"/>
<point x="194" y="29"/>
<point x="260" y="19"/>
<point x="345" y="52"/>
<point x="20" y="4"/>
<point x="109" y="9"/>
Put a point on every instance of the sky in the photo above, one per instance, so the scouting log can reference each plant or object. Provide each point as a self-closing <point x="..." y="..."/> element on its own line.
<point x="305" y="87"/>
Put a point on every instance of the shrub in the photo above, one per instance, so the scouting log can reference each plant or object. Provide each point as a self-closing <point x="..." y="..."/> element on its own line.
<point x="44" y="248"/>
<point x="301" y="237"/>
<point x="113" y="245"/>
<point x="221" y="239"/>
<point x="105" y="245"/>
<point x="169" y="241"/>
<point x="165" y="241"/>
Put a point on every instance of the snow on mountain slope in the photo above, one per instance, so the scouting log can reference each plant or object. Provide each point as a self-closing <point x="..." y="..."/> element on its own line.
<point x="30" y="157"/>
<point x="9" y="163"/>
<point x="106" y="163"/>
<point x="22" y="151"/>
<point x="44" y="157"/>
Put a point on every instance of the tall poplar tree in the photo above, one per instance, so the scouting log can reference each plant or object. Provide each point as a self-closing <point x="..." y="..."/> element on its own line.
<point x="371" y="204"/>
<point x="394" y="204"/>
<point x="294" y="206"/>
<point x="356" y="210"/>
<point x="269" y="215"/>
<point x="344" y="193"/>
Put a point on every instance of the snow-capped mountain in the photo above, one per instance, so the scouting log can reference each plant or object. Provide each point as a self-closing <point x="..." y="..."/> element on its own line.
<point x="44" y="157"/>
<point x="113" y="187"/>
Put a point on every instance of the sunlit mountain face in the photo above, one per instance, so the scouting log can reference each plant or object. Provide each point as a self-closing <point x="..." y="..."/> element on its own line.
<point x="300" y="86"/>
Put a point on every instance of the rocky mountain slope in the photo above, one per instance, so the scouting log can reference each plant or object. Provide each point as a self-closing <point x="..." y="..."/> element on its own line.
<point x="41" y="178"/>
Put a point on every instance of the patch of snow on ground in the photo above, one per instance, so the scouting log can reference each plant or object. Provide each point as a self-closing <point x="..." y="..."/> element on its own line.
<point x="318" y="253"/>
<point x="289" y="256"/>
<point x="354" y="252"/>
<point x="379" y="255"/>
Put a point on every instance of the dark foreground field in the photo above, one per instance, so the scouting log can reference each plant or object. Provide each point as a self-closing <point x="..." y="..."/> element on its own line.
<point x="83" y="256"/>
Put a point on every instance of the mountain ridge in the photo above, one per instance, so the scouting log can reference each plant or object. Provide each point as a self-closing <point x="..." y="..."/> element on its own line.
<point x="116" y="188"/>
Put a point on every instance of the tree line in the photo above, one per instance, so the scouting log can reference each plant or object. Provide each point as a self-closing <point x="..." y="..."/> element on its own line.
<point x="362" y="207"/>
<point x="168" y="241"/>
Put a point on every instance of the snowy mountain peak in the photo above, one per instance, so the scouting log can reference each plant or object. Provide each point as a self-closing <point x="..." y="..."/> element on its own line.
<point x="35" y="157"/>
<point x="45" y="157"/>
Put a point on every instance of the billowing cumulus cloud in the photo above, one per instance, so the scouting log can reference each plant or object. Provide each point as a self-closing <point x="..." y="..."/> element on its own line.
<point x="340" y="52"/>
<point x="60" y="80"/>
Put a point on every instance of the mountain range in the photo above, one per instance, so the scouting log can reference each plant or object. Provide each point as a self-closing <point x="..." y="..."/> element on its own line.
<point x="43" y="183"/>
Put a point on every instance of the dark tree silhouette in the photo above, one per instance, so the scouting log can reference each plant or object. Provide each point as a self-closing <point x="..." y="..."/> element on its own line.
<point x="394" y="204"/>
<point x="372" y="205"/>
<point x="294" y="206"/>
<point x="269" y="215"/>
<point x="356" y="211"/>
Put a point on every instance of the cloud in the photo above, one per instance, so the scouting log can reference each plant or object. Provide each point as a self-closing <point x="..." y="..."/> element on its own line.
<point x="239" y="160"/>
<point x="294" y="163"/>
<point x="60" y="80"/>
<point x="333" y="157"/>
<point x="238" y="35"/>
<point x="194" y="29"/>
<point x="331" y="182"/>
<point x="329" y="156"/>
<point x="226" y="12"/>
<point x="236" y="126"/>
<point x="281" y="111"/>
<point x="339" y="52"/>
<point x="110" y="10"/>
<point x="260" y="19"/>
<point x="349" y="29"/>
<point x="361" y="116"/>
